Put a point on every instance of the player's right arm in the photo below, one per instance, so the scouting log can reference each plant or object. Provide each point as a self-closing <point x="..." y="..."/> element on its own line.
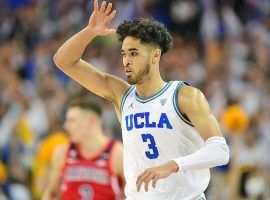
<point x="68" y="57"/>
<point x="52" y="189"/>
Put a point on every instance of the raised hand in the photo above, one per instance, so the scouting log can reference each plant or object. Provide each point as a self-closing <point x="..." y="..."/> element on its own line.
<point x="100" y="19"/>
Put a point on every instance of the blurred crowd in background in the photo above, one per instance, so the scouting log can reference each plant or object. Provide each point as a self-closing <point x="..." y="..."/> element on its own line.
<point x="221" y="47"/>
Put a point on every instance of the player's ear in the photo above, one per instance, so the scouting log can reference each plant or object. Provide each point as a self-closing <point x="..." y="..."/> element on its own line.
<point x="156" y="55"/>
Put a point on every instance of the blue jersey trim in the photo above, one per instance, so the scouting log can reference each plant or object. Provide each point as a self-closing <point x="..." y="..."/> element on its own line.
<point x="176" y="106"/>
<point x="125" y="97"/>
<point x="155" y="95"/>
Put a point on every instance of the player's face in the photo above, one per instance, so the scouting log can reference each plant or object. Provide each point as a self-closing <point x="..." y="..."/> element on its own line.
<point x="136" y="60"/>
<point x="77" y="124"/>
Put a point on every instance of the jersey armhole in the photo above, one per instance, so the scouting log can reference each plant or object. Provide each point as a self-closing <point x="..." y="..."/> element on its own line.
<point x="177" y="109"/>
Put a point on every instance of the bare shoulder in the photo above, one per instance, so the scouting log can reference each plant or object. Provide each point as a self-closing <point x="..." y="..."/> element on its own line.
<point x="60" y="150"/>
<point x="191" y="99"/>
<point x="188" y="94"/>
<point x="186" y="90"/>
<point x="117" y="151"/>
<point x="59" y="155"/>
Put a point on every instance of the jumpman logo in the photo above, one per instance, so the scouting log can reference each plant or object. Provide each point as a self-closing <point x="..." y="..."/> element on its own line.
<point x="131" y="105"/>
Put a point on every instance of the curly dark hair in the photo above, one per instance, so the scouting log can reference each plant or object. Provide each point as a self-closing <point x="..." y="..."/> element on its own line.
<point x="148" y="31"/>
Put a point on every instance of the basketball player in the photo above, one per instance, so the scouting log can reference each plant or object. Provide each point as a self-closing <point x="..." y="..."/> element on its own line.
<point x="91" y="166"/>
<point x="170" y="137"/>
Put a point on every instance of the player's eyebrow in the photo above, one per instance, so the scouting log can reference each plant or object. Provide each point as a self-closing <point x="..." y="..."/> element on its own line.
<point x="131" y="49"/>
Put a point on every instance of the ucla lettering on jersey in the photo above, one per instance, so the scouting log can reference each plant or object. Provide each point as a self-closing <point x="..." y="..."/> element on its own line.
<point x="154" y="132"/>
<point x="141" y="120"/>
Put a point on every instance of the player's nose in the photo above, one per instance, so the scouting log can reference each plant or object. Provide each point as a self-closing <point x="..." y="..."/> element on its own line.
<point x="127" y="62"/>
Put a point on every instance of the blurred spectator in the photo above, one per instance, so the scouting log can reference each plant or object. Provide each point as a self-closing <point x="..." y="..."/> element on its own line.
<point x="42" y="161"/>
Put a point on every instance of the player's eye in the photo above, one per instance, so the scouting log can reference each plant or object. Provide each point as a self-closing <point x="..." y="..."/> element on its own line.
<point x="134" y="53"/>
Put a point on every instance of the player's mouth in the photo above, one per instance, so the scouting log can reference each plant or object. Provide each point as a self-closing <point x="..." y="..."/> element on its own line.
<point x="128" y="73"/>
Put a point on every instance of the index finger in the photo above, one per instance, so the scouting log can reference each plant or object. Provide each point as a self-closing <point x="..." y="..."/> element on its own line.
<point x="141" y="179"/>
<point x="139" y="182"/>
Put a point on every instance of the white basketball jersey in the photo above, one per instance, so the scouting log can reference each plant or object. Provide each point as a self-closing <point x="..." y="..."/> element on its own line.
<point x="155" y="132"/>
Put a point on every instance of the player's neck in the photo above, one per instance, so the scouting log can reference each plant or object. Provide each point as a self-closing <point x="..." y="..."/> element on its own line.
<point x="149" y="86"/>
<point x="90" y="146"/>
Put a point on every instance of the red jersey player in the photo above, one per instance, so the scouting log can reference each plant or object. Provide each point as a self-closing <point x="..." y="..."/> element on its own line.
<point x="91" y="166"/>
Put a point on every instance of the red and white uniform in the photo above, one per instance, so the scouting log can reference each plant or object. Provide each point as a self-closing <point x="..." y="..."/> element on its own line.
<point x="89" y="179"/>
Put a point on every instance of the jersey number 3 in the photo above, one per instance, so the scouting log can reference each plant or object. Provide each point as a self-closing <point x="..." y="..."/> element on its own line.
<point x="151" y="145"/>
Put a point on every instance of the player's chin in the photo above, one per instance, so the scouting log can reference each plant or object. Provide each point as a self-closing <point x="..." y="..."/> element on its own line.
<point x="131" y="80"/>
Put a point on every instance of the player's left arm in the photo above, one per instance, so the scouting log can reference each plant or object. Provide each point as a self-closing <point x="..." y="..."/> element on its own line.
<point x="215" y="151"/>
<point x="117" y="160"/>
<point x="117" y="163"/>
